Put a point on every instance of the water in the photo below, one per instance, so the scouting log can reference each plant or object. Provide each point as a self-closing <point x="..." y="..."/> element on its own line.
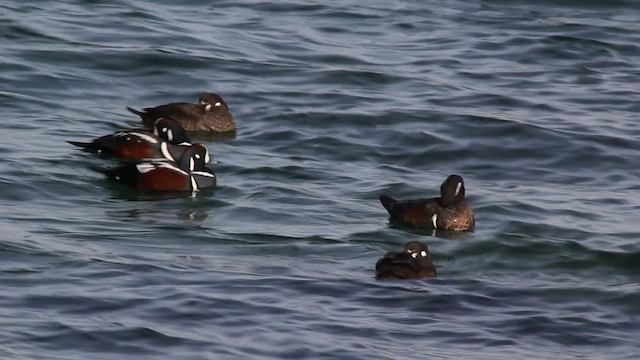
<point x="336" y="102"/>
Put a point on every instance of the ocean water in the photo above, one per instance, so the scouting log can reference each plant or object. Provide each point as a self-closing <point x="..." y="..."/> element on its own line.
<point x="534" y="103"/>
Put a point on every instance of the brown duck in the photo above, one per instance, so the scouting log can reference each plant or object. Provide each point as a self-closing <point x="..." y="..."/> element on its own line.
<point x="450" y="211"/>
<point x="414" y="262"/>
<point x="211" y="113"/>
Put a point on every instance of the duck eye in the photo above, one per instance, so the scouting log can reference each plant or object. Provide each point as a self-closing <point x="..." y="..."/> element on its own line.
<point x="423" y="253"/>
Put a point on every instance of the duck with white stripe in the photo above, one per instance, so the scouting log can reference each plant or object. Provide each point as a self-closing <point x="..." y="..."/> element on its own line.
<point x="168" y="140"/>
<point x="189" y="174"/>
<point x="450" y="211"/>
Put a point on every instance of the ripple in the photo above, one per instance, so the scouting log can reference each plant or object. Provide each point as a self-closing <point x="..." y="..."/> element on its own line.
<point x="534" y="104"/>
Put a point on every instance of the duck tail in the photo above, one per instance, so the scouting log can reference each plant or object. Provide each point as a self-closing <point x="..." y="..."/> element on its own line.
<point x="388" y="202"/>
<point x="137" y="112"/>
<point x="101" y="170"/>
<point x="80" y="144"/>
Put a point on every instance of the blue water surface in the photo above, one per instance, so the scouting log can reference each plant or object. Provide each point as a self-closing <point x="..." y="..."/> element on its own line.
<point x="535" y="104"/>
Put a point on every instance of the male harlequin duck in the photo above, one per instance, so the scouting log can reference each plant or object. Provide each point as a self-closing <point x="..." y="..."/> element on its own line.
<point x="449" y="212"/>
<point x="210" y="114"/>
<point x="414" y="262"/>
<point x="189" y="174"/>
<point x="169" y="140"/>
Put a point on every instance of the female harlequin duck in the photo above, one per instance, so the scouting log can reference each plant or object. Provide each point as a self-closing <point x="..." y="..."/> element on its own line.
<point x="414" y="262"/>
<point x="189" y="174"/>
<point x="210" y="114"/>
<point x="169" y="140"/>
<point x="449" y="212"/>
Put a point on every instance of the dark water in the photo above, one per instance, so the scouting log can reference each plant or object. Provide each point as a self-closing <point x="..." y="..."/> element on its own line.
<point x="537" y="106"/>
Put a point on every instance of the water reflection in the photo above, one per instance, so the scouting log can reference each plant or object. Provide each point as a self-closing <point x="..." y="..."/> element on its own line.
<point x="209" y="136"/>
<point x="445" y="234"/>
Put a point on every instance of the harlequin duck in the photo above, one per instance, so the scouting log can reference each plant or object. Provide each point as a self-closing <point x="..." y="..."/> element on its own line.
<point x="414" y="262"/>
<point x="449" y="212"/>
<point x="189" y="174"/>
<point x="168" y="140"/>
<point x="210" y="114"/>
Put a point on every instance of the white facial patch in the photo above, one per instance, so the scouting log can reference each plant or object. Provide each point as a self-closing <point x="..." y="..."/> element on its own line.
<point x="423" y="253"/>
<point x="217" y="104"/>
<point x="414" y="255"/>
<point x="207" y="107"/>
<point x="434" y="221"/>
<point x="192" y="164"/>
<point x="458" y="187"/>
<point x="169" y="135"/>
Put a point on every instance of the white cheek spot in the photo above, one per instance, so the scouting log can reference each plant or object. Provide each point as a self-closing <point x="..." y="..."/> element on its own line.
<point x="207" y="107"/>
<point x="217" y="104"/>
<point x="118" y="178"/>
<point x="169" y="135"/>
<point x="197" y="156"/>
<point x="458" y="187"/>
<point x="414" y="255"/>
<point x="423" y="253"/>
<point x="192" y="164"/>
<point x="434" y="221"/>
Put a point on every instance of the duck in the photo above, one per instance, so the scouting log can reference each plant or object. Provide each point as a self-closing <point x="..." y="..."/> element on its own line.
<point x="210" y="114"/>
<point x="168" y="140"/>
<point x="450" y="211"/>
<point x="414" y="262"/>
<point x="188" y="174"/>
